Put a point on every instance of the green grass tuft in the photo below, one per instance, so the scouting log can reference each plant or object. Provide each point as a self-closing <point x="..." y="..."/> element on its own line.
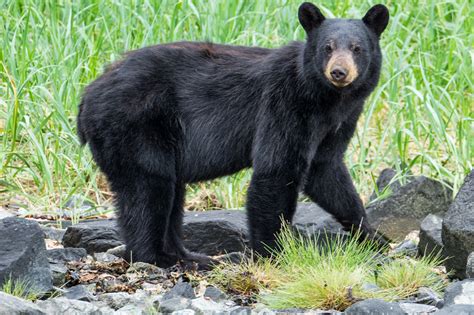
<point x="332" y="275"/>
<point x="20" y="288"/>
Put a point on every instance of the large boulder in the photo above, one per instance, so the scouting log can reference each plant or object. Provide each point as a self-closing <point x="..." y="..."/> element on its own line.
<point x="430" y="235"/>
<point x="458" y="229"/>
<point x="210" y="232"/>
<point x="23" y="254"/>
<point x="456" y="309"/>
<point x="12" y="305"/>
<point x="407" y="205"/>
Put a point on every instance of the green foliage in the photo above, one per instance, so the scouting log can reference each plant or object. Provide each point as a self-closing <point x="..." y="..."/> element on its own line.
<point x="419" y="119"/>
<point x="331" y="275"/>
<point x="19" y="288"/>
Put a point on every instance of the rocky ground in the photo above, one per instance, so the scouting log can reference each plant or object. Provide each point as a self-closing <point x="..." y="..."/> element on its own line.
<point x="81" y="270"/>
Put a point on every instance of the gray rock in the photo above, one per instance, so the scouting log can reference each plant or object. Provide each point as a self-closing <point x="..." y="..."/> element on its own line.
<point x="105" y="257"/>
<point x="64" y="255"/>
<point x="240" y="310"/>
<point x="374" y="306"/>
<point x="23" y="254"/>
<point x="456" y="309"/>
<point x="458" y="229"/>
<point x="61" y="305"/>
<point x="174" y="304"/>
<point x="119" y="251"/>
<point x="95" y="236"/>
<point x="11" y="305"/>
<point x="53" y="233"/>
<point x="461" y="292"/>
<point x="430" y="235"/>
<point x="80" y="292"/>
<point x="470" y="266"/>
<point x="312" y="221"/>
<point x="405" y="248"/>
<point x="214" y="294"/>
<point x="78" y="202"/>
<point x="215" y="232"/>
<point x="415" y="308"/>
<point x="370" y="287"/>
<point x="58" y="272"/>
<point x="133" y="309"/>
<point x="5" y="214"/>
<point x="205" y="306"/>
<point x="428" y="296"/>
<point x="386" y="183"/>
<point x="116" y="300"/>
<point x="403" y="211"/>
<point x="181" y="289"/>
<point x="184" y="312"/>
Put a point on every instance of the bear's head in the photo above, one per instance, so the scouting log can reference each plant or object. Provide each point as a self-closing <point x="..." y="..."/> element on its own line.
<point x="343" y="53"/>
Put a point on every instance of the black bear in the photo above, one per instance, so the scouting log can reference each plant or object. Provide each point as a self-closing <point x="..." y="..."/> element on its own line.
<point x="184" y="112"/>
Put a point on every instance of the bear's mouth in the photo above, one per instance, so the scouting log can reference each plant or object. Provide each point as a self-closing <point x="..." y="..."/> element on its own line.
<point x="341" y="69"/>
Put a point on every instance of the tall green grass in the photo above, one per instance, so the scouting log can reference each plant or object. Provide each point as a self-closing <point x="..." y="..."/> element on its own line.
<point x="419" y="120"/>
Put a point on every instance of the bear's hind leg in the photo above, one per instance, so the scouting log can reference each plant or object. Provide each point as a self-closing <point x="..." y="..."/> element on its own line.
<point x="175" y="235"/>
<point x="145" y="201"/>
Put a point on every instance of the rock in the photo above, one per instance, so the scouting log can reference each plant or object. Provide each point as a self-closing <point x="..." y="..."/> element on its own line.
<point x="374" y="306"/>
<point x="385" y="180"/>
<point x="119" y="251"/>
<point x="205" y="306"/>
<point x="65" y="255"/>
<point x="214" y="294"/>
<point x="58" y="272"/>
<point x="458" y="229"/>
<point x="80" y="292"/>
<point x="234" y="257"/>
<point x="215" y="232"/>
<point x="428" y="296"/>
<point x="403" y="210"/>
<point x="5" y="214"/>
<point x="461" y="292"/>
<point x="240" y="310"/>
<point x="133" y="309"/>
<point x="12" y="305"/>
<point x="78" y="202"/>
<point x="184" y="312"/>
<point x="405" y="248"/>
<point x="116" y="300"/>
<point x="456" y="309"/>
<point x="23" y="254"/>
<point x="95" y="236"/>
<point x="61" y="305"/>
<point x="370" y="287"/>
<point x="430" y="235"/>
<point x="53" y="233"/>
<point x="173" y="304"/>
<point x="414" y="308"/>
<point x="181" y="289"/>
<point x="470" y="266"/>
<point x="312" y="221"/>
<point x="105" y="257"/>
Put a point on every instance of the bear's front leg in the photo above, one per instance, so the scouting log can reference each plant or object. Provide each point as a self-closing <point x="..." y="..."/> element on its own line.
<point x="271" y="200"/>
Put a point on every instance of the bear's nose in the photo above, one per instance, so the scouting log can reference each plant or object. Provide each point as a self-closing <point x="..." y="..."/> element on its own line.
<point x="338" y="74"/>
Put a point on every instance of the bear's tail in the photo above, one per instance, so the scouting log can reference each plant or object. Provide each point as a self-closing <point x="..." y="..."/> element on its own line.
<point x="80" y="129"/>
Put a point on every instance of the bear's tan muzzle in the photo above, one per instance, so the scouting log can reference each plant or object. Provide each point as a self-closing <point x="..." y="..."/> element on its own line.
<point x="341" y="69"/>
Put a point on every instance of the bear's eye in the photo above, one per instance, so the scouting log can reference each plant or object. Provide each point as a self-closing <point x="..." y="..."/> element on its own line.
<point x="356" y="49"/>
<point x="328" y="48"/>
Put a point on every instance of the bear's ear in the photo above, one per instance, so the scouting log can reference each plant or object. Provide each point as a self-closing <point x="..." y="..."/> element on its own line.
<point x="310" y="16"/>
<point x="377" y="18"/>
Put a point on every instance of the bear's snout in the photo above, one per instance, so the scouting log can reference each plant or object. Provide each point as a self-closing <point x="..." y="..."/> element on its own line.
<point x="341" y="69"/>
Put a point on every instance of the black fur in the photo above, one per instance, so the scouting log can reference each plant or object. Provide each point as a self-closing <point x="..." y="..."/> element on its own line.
<point x="178" y="113"/>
